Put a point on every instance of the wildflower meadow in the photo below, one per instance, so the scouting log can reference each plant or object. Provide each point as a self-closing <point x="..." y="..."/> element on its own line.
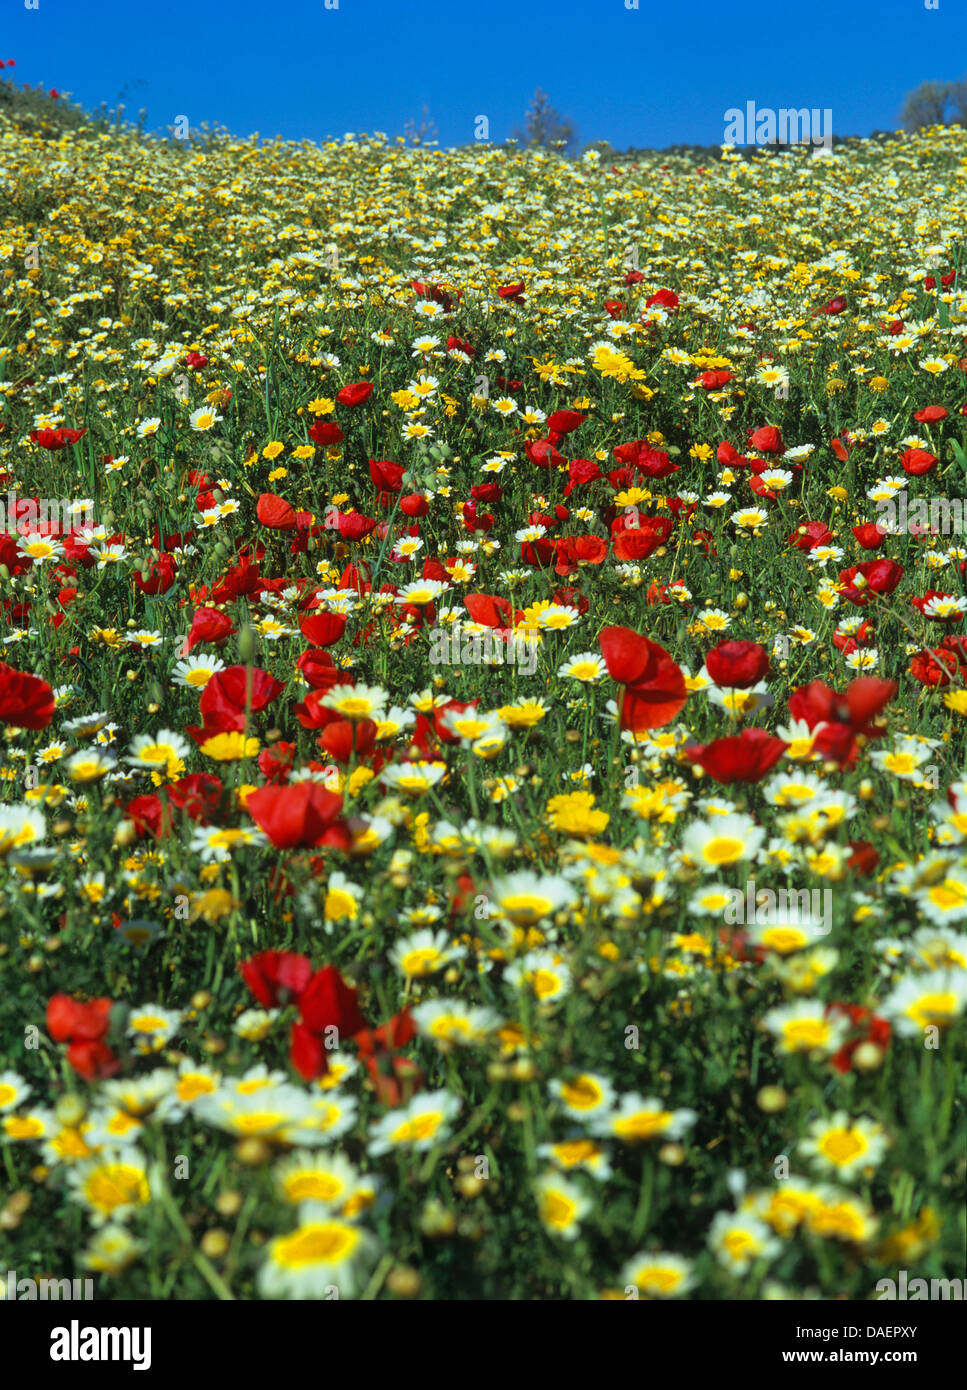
<point x="483" y="703"/>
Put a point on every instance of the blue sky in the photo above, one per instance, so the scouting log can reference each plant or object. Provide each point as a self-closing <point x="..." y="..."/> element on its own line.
<point x="659" y="75"/>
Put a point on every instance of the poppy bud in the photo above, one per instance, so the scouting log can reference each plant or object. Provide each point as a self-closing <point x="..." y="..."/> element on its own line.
<point x="248" y="644"/>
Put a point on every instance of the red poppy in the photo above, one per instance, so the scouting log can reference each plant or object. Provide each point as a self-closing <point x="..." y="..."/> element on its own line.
<point x="148" y="816"/>
<point x="863" y="859"/>
<point x="55" y="440"/>
<point x="714" y="381"/>
<point x="353" y="526"/>
<point x="638" y="542"/>
<point x="489" y="609"/>
<point x="307" y="1052"/>
<point x="918" y="461"/>
<point x="209" y="626"/>
<point x="161" y="576"/>
<point x="323" y="629"/>
<point x="836" y="305"/>
<point x="325" y="432"/>
<point x="235" y="692"/>
<point x="302" y="815"/>
<point x="414" y="504"/>
<point x="276" y="977"/>
<point x="864" y="699"/>
<point x="328" y="1002"/>
<point x="199" y="795"/>
<point x="843" y="717"/>
<point x="655" y="688"/>
<point x="319" y="669"/>
<point x="26" y="701"/>
<point x="936" y="667"/>
<point x="94" y="1061"/>
<point x="68" y="1020"/>
<point x="930" y="414"/>
<point x="737" y="665"/>
<point x="275" y="512"/>
<point x="767" y="440"/>
<point x="667" y="299"/>
<point x="746" y="757"/>
<point x="869" y="535"/>
<point x="386" y="475"/>
<point x="872" y="577"/>
<point x="355" y="394"/>
<point x="543" y="453"/>
<point x="343" y="739"/>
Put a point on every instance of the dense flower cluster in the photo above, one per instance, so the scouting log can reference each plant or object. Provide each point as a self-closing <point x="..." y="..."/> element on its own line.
<point x="638" y="972"/>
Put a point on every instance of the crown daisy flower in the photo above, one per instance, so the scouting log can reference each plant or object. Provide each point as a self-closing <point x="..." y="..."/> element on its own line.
<point x="657" y="1274"/>
<point x="324" y="1257"/>
<point x="417" y="1126"/>
<point x="843" y="1146"/>
<point x="561" y="1205"/>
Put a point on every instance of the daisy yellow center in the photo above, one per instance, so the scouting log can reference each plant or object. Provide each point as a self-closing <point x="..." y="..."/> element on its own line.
<point x="558" y="1211"/>
<point x="576" y="1151"/>
<point x="788" y="1208"/>
<point x="643" y="1125"/>
<point x="326" y="1243"/>
<point x="338" y="905"/>
<point x="723" y="850"/>
<point x="321" y="1187"/>
<point x="843" y="1145"/>
<point x="420" y="962"/>
<point x="121" y="1123"/>
<point x="656" y="1277"/>
<point x="840" y="1221"/>
<point x="260" y="1122"/>
<point x="450" y="1027"/>
<point x="354" y="706"/>
<point x="70" y="1144"/>
<point x="582" y="1094"/>
<point x="116" y="1185"/>
<point x="421" y="1127"/>
<point x="807" y="1033"/>
<point x="545" y="983"/>
<point x="740" y="1244"/>
<point x="23" y="1127"/>
<point x="358" y="1203"/>
<point x="191" y="1087"/>
<point x="784" y="939"/>
<point x="526" y="907"/>
<point x="933" y="1008"/>
<point x="948" y="894"/>
<point x="7" y="1094"/>
<point x="148" y="1023"/>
